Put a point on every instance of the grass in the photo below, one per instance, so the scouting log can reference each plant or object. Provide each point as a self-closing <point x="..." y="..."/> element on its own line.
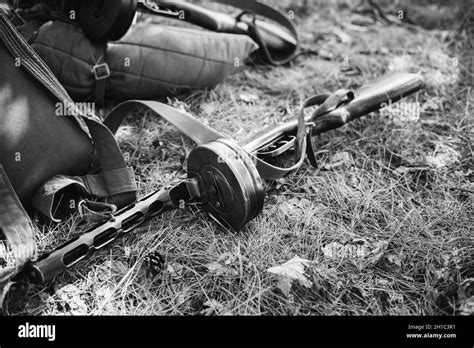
<point x="387" y="193"/>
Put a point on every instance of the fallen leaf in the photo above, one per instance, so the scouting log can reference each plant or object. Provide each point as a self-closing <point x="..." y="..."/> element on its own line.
<point x="338" y="160"/>
<point x="284" y="284"/>
<point x="110" y="269"/>
<point x="290" y="271"/>
<point x="249" y="98"/>
<point x="45" y="297"/>
<point x="282" y="184"/>
<point x="294" y="207"/>
<point x="362" y="21"/>
<point x="393" y="262"/>
<point x="325" y="272"/>
<point x="342" y="35"/>
<point x="183" y="297"/>
<point x="432" y="104"/>
<point x="325" y="54"/>
<point x="466" y="289"/>
<point x="385" y="293"/>
<point x="210" y="108"/>
<point x="394" y="259"/>
<point x="219" y="269"/>
<point x="229" y="263"/>
<point x="384" y="50"/>
<point x="104" y="296"/>
<point x="442" y="274"/>
<point x="396" y="298"/>
<point x="436" y="78"/>
<point x="414" y="169"/>
<point x="68" y="301"/>
<point x="443" y="156"/>
<point x="466" y="307"/>
<point x="441" y="61"/>
<point x="465" y="304"/>
<point x="325" y="278"/>
<point x="175" y="270"/>
<point x="401" y="63"/>
<point x="351" y="71"/>
<point x="227" y="258"/>
<point x="214" y="307"/>
<point x="382" y="283"/>
<point x="119" y="268"/>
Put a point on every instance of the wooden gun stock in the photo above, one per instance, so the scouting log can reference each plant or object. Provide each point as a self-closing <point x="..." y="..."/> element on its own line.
<point x="368" y="98"/>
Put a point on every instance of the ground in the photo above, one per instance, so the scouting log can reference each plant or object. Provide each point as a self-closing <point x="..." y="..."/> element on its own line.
<point x="382" y="227"/>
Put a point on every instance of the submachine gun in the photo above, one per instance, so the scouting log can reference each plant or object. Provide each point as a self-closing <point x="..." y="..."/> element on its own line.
<point x="225" y="178"/>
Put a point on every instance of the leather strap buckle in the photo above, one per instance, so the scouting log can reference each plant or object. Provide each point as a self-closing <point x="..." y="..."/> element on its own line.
<point x="101" y="71"/>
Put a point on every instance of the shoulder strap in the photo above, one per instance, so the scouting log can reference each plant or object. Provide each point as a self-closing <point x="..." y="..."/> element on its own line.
<point x="200" y="133"/>
<point x="193" y="129"/>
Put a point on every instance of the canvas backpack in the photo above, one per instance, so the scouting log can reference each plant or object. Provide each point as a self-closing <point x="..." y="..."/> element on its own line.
<point x="36" y="145"/>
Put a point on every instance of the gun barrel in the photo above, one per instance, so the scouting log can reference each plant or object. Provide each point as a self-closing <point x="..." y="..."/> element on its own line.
<point x="77" y="249"/>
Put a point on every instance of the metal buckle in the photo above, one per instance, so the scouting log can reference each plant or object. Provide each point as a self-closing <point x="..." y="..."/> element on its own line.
<point x="101" y="71"/>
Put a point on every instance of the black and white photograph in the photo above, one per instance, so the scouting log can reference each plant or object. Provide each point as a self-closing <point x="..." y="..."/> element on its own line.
<point x="221" y="166"/>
